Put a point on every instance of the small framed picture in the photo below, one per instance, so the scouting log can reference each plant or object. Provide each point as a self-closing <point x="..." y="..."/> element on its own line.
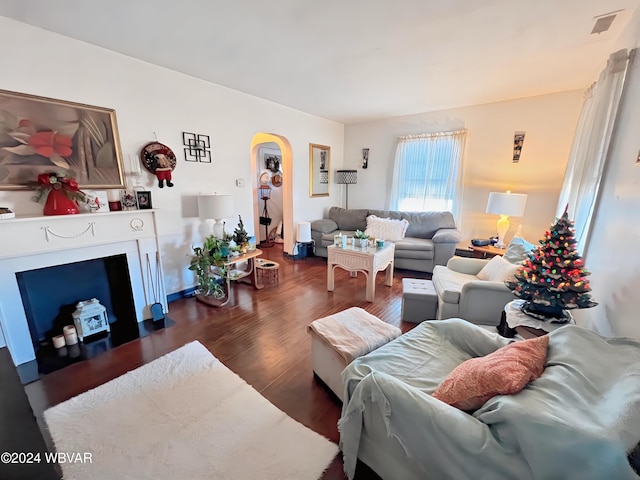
<point x="97" y="201"/>
<point x="518" y="142"/>
<point x="128" y="199"/>
<point x="144" y="200"/>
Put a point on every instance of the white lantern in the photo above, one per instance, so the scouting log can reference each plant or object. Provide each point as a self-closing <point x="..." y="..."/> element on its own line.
<point x="90" y="317"/>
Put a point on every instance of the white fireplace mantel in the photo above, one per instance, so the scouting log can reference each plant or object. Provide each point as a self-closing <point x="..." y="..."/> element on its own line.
<point x="29" y="243"/>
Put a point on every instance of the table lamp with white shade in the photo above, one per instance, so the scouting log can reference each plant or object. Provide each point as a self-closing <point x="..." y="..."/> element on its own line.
<point x="304" y="233"/>
<point x="212" y="206"/>
<point x="506" y="205"/>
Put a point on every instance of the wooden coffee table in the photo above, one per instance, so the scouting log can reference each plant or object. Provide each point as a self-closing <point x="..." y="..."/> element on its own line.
<point x="369" y="260"/>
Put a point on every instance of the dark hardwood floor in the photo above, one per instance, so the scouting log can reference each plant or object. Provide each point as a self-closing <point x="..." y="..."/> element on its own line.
<point x="260" y="335"/>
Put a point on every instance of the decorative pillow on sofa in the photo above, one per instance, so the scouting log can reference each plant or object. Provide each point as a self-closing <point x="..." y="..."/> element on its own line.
<point x="498" y="270"/>
<point x="386" y="228"/>
<point x="504" y="372"/>
<point x="518" y="250"/>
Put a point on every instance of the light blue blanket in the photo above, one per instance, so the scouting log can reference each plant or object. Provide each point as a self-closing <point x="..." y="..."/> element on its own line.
<point x="577" y="421"/>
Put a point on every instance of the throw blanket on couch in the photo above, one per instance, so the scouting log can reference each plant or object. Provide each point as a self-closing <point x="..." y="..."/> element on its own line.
<point x="353" y="332"/>
<point x="577" y="421"/>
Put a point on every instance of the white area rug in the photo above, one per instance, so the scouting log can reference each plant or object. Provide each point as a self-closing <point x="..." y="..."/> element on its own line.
<point x="184" y="416"/>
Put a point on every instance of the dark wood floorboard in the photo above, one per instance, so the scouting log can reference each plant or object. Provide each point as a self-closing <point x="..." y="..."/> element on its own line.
<point x="260" y="335"/>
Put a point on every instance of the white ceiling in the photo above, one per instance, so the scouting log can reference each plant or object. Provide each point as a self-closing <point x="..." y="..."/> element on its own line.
<point x="352" y="60"/>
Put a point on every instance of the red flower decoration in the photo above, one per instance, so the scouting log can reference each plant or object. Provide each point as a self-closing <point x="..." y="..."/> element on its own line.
<point x="49" y="144"/>
<point x="44" y="179"/>
<point x="57" y="181"/>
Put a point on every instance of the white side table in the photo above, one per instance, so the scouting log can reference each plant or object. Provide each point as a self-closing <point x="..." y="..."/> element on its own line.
<point x="368" y="260"/>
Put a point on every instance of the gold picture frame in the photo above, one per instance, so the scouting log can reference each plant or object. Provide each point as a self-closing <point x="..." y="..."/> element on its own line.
<point x="42" y="135"/>
<point x="319" y="167"/>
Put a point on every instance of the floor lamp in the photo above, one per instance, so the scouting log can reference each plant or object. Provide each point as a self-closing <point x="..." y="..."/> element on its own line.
<point x="212" y="206"/>
<point x="505" y="205"/>
<point x="264" y="193"/>
<point x="346" y="177"/>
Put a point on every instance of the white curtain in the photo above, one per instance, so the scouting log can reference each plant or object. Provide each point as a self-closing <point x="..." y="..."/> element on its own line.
<point x="591" y="146"/>
<point x="427" y="174"/>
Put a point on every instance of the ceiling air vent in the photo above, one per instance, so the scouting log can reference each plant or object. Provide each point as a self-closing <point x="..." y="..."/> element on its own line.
<point x="604" y="22"/>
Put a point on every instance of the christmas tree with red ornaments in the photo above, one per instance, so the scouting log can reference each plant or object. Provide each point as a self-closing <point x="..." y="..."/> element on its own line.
<point x="553" y="278"/>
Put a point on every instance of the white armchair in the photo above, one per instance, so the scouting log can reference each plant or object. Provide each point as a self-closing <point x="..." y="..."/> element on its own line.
<point x="462" y="294"/>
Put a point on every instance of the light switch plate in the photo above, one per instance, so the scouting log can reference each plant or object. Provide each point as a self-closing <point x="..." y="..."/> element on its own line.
<point x="240" y="182"/>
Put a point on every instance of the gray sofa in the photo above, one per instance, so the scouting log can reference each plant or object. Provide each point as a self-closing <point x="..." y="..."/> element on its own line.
<point x="430" y="240"/>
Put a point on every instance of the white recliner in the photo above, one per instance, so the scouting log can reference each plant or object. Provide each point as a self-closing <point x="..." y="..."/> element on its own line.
<point x="462" y="294"/>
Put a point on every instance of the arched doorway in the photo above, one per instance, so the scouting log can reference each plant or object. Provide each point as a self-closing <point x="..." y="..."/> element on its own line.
<point x="287" y="188"/>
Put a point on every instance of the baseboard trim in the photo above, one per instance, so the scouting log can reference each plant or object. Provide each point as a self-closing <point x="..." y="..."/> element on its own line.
<point x="189" y="292"/>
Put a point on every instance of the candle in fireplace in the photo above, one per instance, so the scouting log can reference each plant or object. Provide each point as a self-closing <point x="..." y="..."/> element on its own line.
<point x="70" y="335"/>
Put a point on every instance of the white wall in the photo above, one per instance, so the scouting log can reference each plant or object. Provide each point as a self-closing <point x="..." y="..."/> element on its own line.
<point x="613" y="256"/>
<point x="150" y="99"/>
<point x="549" y="122"/>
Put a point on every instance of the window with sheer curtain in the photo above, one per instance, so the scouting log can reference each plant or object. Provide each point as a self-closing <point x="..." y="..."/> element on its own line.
<point x="427" y="173"/>
<point x="590" y="148"/>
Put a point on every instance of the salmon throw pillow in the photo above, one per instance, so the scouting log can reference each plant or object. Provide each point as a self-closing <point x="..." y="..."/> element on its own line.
<point x="504" y="372"/>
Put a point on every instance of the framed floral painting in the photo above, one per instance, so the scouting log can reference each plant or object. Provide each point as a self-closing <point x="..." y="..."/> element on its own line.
<point x="42" y="135"/>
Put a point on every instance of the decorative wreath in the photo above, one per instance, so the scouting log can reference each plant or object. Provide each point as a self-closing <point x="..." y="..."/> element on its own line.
<point x="149" y="153"/>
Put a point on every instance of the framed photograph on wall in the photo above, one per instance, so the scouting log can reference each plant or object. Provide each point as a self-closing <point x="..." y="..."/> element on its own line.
<point x="518" y="142"/>
<point x="43" y="135"/>
<point x="144" y="199"/>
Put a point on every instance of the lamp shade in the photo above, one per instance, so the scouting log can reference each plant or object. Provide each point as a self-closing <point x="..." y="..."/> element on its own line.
<point x="212" y="206"/>
<point x="347" y="177"/>
<point x="304" y="232"/>
<point x="511" y="204"/>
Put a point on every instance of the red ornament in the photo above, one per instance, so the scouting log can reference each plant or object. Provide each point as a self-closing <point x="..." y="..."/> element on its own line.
<point x="58" y="203"/>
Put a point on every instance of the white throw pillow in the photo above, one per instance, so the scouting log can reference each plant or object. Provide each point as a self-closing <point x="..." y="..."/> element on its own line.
<point x="386" y="228"/>
<point x="498" y="270"/>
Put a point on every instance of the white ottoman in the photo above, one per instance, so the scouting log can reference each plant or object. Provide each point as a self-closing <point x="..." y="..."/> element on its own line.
<point x="419" y="300"/>
<point x="336" y="340"/>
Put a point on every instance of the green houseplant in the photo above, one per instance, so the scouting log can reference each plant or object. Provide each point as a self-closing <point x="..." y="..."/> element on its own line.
<point x="225" y="243"/>
<point x="208" y="263"/>
<point x="360" y="238"/>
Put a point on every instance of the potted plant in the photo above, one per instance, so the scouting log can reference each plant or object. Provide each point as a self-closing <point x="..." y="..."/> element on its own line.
<point x="241" y="237"/>
<point x="208" y="263"/>
<point x="360" y="239"/>
<point x="225" y="244"/>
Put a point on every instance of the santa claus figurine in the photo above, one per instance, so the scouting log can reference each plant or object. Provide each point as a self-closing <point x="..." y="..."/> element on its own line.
<point x="162" y="169"/>
<point x="160" y="160"/>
